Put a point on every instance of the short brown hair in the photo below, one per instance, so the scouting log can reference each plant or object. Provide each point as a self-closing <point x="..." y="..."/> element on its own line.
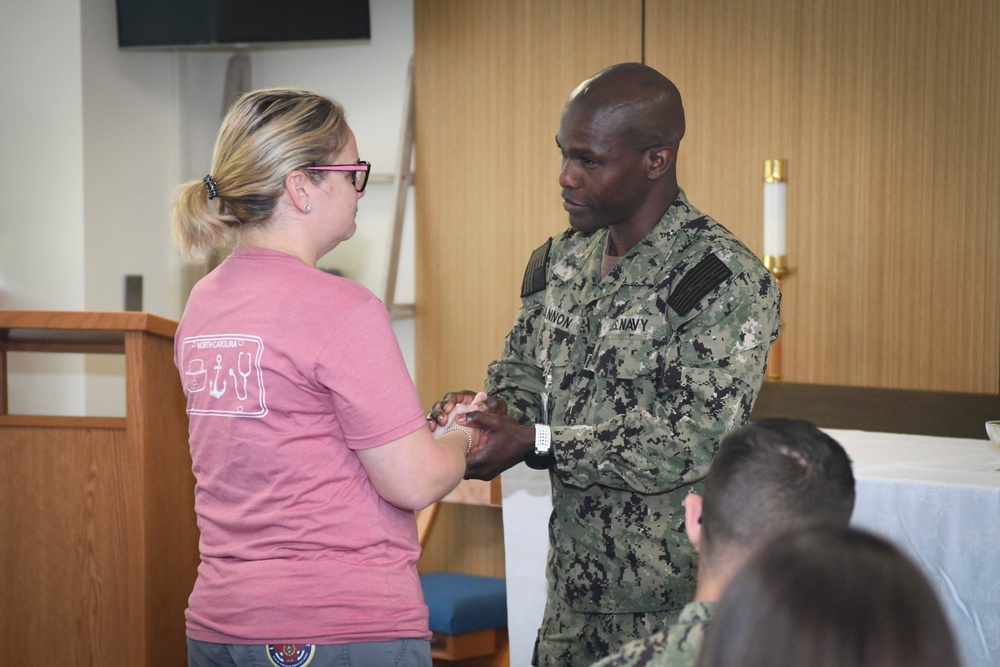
<point x="772" y="475"/>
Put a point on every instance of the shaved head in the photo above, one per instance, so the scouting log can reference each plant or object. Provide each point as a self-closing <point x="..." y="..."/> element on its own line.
<point x="643" y="104"/>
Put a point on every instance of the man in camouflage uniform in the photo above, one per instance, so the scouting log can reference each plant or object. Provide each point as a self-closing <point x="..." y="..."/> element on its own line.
<point x="769" y="477"/>
<point x="642" y="337"/>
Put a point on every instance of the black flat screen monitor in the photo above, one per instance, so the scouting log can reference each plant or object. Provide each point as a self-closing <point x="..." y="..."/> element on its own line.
<point x="220" y="23"/>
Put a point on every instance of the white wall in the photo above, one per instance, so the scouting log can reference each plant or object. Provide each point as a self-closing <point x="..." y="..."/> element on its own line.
<point x="96" y="139"/>
<point x="41" y="183"/>
<point x="131" y="110"/>
<point x="130" y="160"/>
<point x="41" y="156"/>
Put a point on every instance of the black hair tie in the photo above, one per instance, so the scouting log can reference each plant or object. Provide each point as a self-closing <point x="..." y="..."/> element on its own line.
<point x="211" y="186"/>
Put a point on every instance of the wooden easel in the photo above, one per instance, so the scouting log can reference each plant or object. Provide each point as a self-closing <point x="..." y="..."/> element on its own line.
<point x="403" y="179"/>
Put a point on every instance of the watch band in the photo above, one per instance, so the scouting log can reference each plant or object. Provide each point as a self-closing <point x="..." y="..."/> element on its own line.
<point x="541" y="458"/>
<point x="543" y="439"/>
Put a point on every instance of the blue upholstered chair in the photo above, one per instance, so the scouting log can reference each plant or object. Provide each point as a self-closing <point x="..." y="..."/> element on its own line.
<point x="467" y="611"/>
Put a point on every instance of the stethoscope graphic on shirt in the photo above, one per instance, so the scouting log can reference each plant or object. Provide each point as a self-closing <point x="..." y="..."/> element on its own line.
<point x="242" y="395"/>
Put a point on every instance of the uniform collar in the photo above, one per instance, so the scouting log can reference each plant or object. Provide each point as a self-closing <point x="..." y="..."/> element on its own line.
<point x="643" y="264"/>
<point x="645" y="261"/>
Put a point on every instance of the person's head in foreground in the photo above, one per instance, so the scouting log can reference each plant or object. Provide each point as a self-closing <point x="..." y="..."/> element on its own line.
<point x="768" y="477"/>
<point x="827" y="596"/>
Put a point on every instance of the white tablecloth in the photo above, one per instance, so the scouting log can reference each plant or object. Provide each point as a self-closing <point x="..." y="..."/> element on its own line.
<point x="937" y="498"/>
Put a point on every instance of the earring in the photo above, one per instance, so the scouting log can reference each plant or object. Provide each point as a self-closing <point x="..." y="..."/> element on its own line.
<point x="309" y="208"/>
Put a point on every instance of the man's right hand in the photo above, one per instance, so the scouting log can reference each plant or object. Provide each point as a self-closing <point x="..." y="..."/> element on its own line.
<point x="502" y="444"/>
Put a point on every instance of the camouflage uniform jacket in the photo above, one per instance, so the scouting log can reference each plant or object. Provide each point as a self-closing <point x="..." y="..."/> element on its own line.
<point x="648" y="368"/>
<point x="676" y="645"/>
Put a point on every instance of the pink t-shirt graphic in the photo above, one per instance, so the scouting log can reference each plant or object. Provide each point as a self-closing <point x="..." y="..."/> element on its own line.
<point x="222" y="375"/>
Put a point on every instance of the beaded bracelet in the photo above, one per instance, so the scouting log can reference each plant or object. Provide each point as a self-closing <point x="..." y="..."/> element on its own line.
<point x="463" y="430"/>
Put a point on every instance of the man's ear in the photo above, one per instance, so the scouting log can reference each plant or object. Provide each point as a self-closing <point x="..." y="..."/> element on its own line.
<point x="660" y="160"/>
<point x="692" y="519"/>
<point x="297" y="185"/>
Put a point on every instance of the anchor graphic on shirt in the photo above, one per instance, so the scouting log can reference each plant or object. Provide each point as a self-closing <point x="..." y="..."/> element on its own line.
<point x="214" y="390"/>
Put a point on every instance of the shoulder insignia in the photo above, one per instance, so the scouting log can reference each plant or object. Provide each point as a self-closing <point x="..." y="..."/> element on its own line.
<point x="697" y="282"/>
<point x="535" y="277"/>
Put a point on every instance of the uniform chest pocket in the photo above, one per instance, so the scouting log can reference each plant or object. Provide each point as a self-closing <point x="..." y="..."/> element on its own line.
<point x="624" y="374"/>
<point x="556" y="346"/>
<point x="625" y="358"/>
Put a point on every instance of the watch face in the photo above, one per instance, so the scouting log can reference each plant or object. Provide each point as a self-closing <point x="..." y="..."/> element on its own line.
<point x="540" y="461"/>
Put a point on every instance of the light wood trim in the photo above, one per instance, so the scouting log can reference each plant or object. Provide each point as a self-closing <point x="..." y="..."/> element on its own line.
<point x="98" y="342"/>
<point x="462" y="647"/>
<point x="158" y="434"/>
<point x="49" y="422"/>
<point x="404" y="179"/>
<point x="887" y="114"/>
<point x="499" y="658"/>
<point x="4" y="365"/>
<point x="425" y="522"/>
<point x="87" y="321"/>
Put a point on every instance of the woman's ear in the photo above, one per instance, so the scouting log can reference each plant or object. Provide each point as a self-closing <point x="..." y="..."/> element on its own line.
<point x="692" y="519"/>
<point x="298" y="187"/>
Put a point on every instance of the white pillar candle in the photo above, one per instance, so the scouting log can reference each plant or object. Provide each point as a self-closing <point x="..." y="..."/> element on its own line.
<point x="775" y="193"/>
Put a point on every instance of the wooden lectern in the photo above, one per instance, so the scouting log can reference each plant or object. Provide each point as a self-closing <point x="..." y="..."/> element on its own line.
<point x="98" y="540"/>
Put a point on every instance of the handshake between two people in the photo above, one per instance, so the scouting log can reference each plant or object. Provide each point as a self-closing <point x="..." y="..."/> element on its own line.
<point x="499" y="441"/>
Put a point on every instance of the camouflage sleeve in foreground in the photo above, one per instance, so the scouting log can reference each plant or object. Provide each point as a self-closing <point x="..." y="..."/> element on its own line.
<point x="676" y="645"/>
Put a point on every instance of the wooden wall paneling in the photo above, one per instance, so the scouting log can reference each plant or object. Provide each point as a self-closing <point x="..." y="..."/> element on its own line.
<point x="737" y="114"/>
<point x="729" y="60"/>
<point x="830" y="237"/>
<point x="887" y="114"/>
<point x="490" y="80"/>
<point x="966" y="171"/>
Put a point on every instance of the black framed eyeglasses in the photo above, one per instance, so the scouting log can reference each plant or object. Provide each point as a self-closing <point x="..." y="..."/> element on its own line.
<point x="361" y="167"/>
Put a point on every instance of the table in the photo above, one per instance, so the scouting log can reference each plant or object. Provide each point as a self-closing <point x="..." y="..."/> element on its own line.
<point x="937" y="498"/>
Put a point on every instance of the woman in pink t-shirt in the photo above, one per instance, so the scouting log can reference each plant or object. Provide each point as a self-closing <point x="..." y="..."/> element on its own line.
<point x="309" y="445"/>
